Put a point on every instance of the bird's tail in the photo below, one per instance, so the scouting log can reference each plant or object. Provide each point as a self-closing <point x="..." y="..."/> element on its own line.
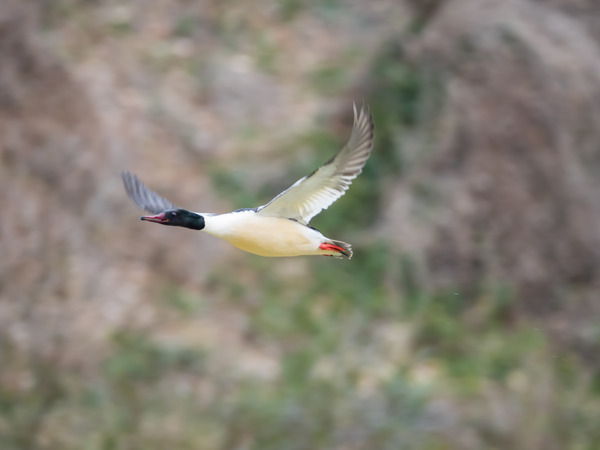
<point x="337" y="249"/>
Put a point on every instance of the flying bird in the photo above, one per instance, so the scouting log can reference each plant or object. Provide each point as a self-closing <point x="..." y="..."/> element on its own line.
<point x="279" y="228"/>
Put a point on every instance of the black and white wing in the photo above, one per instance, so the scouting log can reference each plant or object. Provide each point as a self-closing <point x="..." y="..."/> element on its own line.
<point x="310" y="195"/>
<point x="143" y="197"/>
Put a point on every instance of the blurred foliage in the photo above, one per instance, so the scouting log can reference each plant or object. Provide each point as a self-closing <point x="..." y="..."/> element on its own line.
<point x="360" y="361"/>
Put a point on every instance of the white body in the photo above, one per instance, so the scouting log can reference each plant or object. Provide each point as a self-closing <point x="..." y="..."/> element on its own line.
<point x="266" y="236"/>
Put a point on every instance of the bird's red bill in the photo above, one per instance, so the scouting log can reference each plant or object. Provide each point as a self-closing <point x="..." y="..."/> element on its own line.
<point x="159" y="218"/>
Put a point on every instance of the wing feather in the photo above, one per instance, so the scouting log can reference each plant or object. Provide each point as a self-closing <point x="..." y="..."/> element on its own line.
<point x="143" y="197"/>
<point x="310" y="195"/>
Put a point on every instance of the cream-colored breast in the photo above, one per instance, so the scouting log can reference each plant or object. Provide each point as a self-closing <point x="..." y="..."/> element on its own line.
<point x="265" y="236"/>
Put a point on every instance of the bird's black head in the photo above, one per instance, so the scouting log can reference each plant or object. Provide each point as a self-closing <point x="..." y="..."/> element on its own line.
<point x="178" y="218"/>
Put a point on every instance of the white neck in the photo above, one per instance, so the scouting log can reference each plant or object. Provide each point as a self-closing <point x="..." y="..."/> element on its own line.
<point x="223" y="225"/>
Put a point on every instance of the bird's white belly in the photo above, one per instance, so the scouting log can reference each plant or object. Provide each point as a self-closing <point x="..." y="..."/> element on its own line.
<point x="265" y="236"/>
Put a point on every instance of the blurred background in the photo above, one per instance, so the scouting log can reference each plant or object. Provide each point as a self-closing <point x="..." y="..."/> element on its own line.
<point x="469" y="317"/>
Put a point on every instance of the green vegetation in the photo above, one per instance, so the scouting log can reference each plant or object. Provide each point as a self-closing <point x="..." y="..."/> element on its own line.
<point x="358" y="363"/>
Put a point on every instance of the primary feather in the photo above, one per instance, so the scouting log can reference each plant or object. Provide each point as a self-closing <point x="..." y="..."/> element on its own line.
<point x="143" y="197"/>
<point x="310" y="195"/>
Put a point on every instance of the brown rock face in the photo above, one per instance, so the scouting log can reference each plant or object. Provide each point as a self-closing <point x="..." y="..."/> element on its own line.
<point x="513" y="168"/>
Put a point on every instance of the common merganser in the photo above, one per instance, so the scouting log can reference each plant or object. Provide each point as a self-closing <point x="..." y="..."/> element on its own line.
<point x="279" y="228"/>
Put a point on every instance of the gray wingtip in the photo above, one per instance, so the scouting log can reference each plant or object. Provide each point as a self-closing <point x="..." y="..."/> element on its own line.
<point x="362" y="113"/>
<point x="144" y="198"/>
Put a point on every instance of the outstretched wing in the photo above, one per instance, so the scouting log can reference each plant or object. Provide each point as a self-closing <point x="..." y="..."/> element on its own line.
<point x="143" y="197"/>
<point x="310" y="195"/>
